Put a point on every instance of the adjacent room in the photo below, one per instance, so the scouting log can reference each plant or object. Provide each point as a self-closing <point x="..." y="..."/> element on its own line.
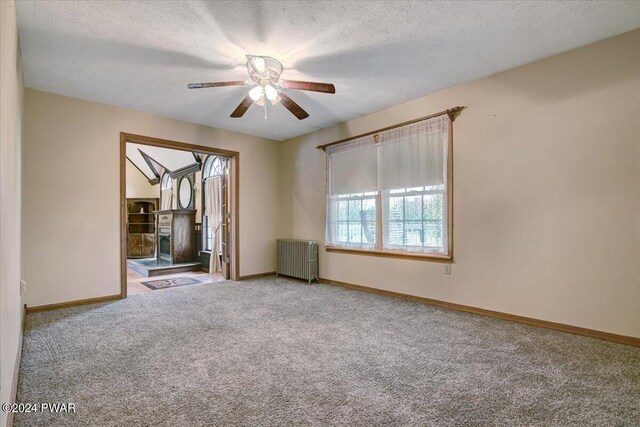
<point x="392" y="213"/>
<point x="176" y="201"/>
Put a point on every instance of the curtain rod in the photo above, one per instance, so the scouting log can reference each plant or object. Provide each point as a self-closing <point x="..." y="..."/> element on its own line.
<point x="451" y="112"/>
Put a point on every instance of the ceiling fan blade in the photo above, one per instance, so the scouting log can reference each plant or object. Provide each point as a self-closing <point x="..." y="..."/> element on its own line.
<point x="310" y="86"/>
<point x="242" y="108"/>
<point x="215" y="84"/>
<point x="295" y="109"/>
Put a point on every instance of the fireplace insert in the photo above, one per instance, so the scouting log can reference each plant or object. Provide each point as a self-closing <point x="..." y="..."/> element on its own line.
<point x="164" y="244"/>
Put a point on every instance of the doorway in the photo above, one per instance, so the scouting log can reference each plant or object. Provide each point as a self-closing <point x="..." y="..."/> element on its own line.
<point x="179" y="214"/>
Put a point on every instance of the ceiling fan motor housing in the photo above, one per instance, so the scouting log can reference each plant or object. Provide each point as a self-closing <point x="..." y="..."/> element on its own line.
<point x="264" y="70"/>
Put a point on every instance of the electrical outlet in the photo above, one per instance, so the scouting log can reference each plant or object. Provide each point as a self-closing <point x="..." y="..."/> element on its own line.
<point x="23" y="287"/>
<point x="447" y="269"/>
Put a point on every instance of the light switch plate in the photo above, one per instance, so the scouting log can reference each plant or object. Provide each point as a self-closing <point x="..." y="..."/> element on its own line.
<point x="447" y="269"/>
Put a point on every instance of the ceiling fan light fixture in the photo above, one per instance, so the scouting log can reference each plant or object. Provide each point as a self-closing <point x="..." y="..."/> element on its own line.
<point x="264" y="73"/>
<point x="256" y="93"/>
<point x="276" y="100"/>
<point x="270" y="92"/>
<point x="259" y="63"/>
<point x="263" y="69"/>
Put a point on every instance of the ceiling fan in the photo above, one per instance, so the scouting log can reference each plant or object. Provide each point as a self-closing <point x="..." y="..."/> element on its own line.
<point x="265" y="72"/>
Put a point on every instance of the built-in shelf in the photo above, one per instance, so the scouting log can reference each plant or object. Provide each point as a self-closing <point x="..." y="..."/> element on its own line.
<point x="141" y="228"/>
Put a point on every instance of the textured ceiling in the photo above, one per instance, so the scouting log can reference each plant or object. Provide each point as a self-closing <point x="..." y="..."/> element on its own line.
<point x="141" y="55"/>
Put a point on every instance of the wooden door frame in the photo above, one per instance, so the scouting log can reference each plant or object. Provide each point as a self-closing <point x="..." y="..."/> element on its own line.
<point x="234" y="180"/>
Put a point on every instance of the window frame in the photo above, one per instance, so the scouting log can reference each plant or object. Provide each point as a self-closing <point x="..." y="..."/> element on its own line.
<point x="166" y="182"/>
<point x="378" y="251"/>
<point x="412" y="192"/>
<point x="357" y="197"/>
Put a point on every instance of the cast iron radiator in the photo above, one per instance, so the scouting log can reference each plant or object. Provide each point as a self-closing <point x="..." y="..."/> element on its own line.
<point x="298" y="258"/>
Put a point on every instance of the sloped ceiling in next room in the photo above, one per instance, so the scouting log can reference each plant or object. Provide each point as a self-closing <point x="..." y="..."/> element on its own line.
<point x="153" y="161"/>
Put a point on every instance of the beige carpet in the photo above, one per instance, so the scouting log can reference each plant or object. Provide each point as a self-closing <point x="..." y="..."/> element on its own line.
<point x="279" y="352"/>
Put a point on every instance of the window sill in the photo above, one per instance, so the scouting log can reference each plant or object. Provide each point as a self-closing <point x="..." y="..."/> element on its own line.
<point x="205" y="253"/>
<point x="393" y="254"/>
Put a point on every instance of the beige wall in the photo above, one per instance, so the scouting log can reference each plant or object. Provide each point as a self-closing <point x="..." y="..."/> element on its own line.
<point x="11" y="131"/>
<point x="71" y="207"/>
<point x="138" y="185"/>
<point x="546" y="192"/>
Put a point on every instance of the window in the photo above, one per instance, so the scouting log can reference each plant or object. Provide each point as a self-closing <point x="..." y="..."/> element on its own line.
<point x="389" y="192"/>
<point x="415" y="219"/>
<point x="355" y="219"/>
<point x="213" y="166"/>
<point x="166" y="192"/>
<point x="166" y="181"/>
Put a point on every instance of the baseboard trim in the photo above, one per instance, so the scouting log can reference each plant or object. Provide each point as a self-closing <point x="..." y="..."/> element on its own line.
<point x="75" y="303"/>
<point x="576" y="330"/>
<point x="16" y="368"/>
<point x="257" y="276"/>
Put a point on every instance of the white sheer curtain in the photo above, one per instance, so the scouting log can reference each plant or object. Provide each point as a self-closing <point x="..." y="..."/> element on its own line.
<point x="412" y="178"/>
<point x="405" y="170"/>
<point x="414" y="155"/>
<point x="351" y="169"/>
<point x="213" y="210"/>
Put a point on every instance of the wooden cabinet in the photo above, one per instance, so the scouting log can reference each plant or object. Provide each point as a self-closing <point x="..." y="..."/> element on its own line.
<point x="176" y="238"/>
<point x="141" y="228"/>
<point x="134" y="245"/>
<point x="148" y="246"/>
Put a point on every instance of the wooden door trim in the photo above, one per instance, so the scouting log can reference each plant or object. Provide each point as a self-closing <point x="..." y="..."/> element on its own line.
<point x="226" y="212"/>
<point x="234" y="181"/>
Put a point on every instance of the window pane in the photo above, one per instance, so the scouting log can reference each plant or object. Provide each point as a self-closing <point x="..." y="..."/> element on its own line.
<point x="369" y="210"/>
<point x="413" y="208"/>
<point x="354" y="219"/>
<point x="414" y="220"/>
<point x="369" y="232"/>
<point x="343" y="209"/>
<point x="395" y="208"/>
<point x="354" y="210"/>
<point x="432" y="206"/>
<point x="433" y="233"/>
<point x="396" y="232"/>
<point x="343" y="235"/>
<point x="413" y="233"/>
<point x="355" y="233"/>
